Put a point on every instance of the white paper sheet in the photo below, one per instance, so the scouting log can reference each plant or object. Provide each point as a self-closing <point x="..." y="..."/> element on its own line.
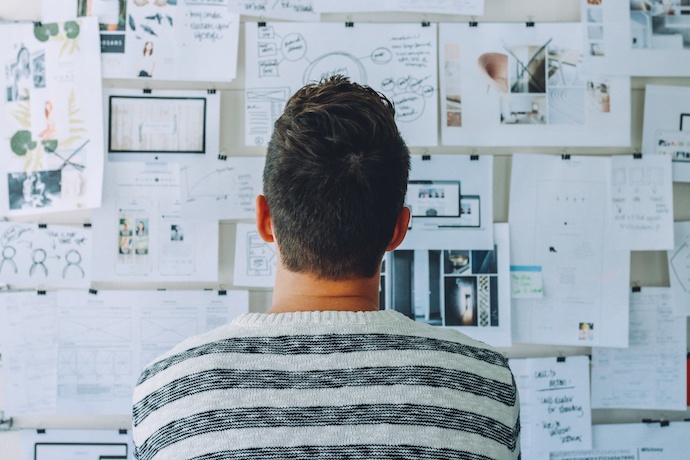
<point x="107" y="338"/>
<point x="651" y="440"/>
<point x="294" y="10"/>
<point x="164" y="40"/>
<point x="596" y="454"/>
<point x="666" y="128"/>
<point x="58" y="444"/>
<point x="400" y="60"/>
<point x="508" y="84"/>
<point x="51" y="117"/>
<point x="140" y="233"/>
<point x="468" y="7"/>
<point x="651" y="372"/>
<point x="642" y="201"/>
<point x="29" y="352"/>
<point x="555" y="413"/>
<point x="45" y="256"/>
<point x="221" y="188"/>
<point x="451" y="200"/>
<point x="466" y="289"/>
<point x="255" y="260"/>
<point x="638" y="38"/>
<point x="679" y="269"/>
<point x="560" y="221"/>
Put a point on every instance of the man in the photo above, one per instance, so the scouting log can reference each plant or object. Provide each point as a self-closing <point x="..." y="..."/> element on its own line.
<point x="325" y="374"/>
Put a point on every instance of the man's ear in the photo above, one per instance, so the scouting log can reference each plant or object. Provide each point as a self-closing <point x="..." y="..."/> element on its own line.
<point x="400" y="229"/>
<point x="263" y="220"/>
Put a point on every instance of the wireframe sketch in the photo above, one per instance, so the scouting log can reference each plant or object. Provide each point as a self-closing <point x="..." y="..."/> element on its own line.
<point x="260" y="256"/>
<point x="398" y="60"/>
<point x="35" y="255"/>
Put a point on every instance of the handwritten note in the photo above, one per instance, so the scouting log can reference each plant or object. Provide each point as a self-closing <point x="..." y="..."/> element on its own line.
<point x="555" y="408"/>
<point x="526" y="282"/>
<point x="642" y="202"/>
<point x="293" y="10"/>
<point x="205" y="23"/>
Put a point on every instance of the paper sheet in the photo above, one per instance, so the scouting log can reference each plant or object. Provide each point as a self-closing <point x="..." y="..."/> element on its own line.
<point x="140" y="233"/>
<point x="29" y="352"/>
<point x="468" y="7"/>
<point x="58" y="444"/>
<point x="465" y="289"/>
<point x="639" y="38"/>
<point x="255" y="260"/>
<point x="560" y="221"/>
<point x="45" y="256"/>
<point x="642" y="201"/>
<point x="507" y="84"/>
<point x="651" y="440"/>
<point x="50" y="117"/>
<point x="651" y="372"/>
<point x="294" y="10"/>
<point x="451" y="200"/>
<point x="666" y="128"/>
<point x="679" y="269"/>
<point x="596" y="454"/>
<point x="164" y="40"/>
<point x="555" y="413"/>
<point x="399" y="60"/>
<point x="106" y="339"/>
<point x="221" y="188"/>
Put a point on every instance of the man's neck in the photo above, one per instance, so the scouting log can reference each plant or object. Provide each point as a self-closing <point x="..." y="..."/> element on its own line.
<point x="303" y="292"/>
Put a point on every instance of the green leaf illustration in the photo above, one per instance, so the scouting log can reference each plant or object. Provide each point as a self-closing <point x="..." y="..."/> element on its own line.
<point x="21" y="142"/>
<point x="50" y="145"/>
<point x="71" y="29"/>
<point x="44" y="31"/>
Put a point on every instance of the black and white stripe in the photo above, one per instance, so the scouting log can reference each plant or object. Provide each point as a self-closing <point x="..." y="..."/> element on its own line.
<point x="224" y="379"/>
<point x="365" y="414"/>
<point x="325" y="344"/>
<point x="352" y="452"/>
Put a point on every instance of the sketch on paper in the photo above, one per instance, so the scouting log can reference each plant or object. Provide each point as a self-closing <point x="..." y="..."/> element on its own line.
<point x="398" y="60"/>
<point x="679" y="268"/>
<point x="222" y="189"/>
<point x="45" y="256"/>
<point x="255" y="260"/>
<point x="49" y="162"/>
<point x="529" y="83"/>
<point x="466" y="289"/>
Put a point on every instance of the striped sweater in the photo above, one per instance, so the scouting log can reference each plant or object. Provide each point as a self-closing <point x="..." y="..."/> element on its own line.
<point x="327" y="385"/>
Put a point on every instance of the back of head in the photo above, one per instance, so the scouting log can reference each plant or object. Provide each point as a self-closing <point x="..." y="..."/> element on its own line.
<point x="335" y="179"/>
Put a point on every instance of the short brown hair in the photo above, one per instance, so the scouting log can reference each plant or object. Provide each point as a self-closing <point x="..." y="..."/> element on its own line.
<point x="335" y="179"/>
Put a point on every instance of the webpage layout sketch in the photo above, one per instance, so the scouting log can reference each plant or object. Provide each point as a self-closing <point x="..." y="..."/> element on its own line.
<point x="44" y="256"/>
<point x="560" y="223"/>
<point x="255" y="260"/>
<point x="507" y="84"/>
<point x="450" y="199"/>
<point x="399" y="60"/>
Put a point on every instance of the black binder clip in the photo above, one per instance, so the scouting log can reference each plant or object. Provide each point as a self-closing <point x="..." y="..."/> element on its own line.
<point x="87" y="224"/>
<point x="474" y="157"/>
<point x="349" y="24"/>
<point x="42" y="225"/>
<point x="40" y="292"/>
<point x="426" y="157"/>
<point x="122" y="431"/>
<point x="565" y="156"/>
<point x="147" y="90"/>
<point x="426" y="23"/>
<point x="93" y="291"/>
<point x="637" y="156"/>
<point x="223" y="292"/>
<point x="261" y="24"/>
<point x="636" y="289"/>
<point x="222" y="156"/>
<point x="38" y="24"/>
<point x="473" y="22"/>
<point x="560" y="359"/>
<point x="211" y="91"/>
<point x="530" y="22"/>
<point x="41" y="430"/>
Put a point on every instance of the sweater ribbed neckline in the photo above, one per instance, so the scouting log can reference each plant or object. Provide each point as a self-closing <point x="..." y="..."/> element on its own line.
<point x="320" y="317"/>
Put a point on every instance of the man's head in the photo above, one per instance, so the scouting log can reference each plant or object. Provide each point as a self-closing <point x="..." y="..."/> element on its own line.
<point x="335" y="180"/>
